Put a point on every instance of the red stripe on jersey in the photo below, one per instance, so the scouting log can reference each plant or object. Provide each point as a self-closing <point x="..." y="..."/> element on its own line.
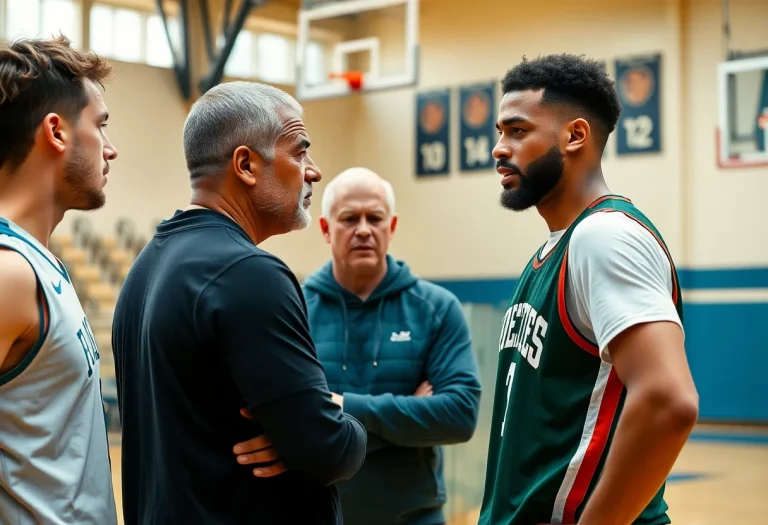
<point x="570" y="329"/>
<point x="607" y="197"/>
<point x="596" y="447"/>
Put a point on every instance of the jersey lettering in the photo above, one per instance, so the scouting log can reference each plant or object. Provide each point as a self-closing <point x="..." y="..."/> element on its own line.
<point x="525" y="330"/>
<point x="88" y="342"/>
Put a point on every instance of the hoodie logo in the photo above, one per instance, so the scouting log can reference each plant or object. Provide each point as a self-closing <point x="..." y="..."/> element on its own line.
<point x="401" y="337"/>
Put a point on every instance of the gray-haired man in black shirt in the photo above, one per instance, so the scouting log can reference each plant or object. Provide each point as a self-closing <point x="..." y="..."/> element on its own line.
<point x="211" y="341"/>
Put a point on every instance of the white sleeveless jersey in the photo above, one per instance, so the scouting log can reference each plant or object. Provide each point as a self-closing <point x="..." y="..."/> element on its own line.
<point x="54" y="457"/>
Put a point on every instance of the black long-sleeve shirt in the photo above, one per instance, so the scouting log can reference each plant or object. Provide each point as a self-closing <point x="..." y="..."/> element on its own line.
<point x="206" y="324"/>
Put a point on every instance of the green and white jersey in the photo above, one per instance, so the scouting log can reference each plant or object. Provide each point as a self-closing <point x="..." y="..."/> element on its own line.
<point x="558" y="399"/>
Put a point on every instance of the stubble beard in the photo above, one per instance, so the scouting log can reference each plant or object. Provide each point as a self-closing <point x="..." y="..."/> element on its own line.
<point x="81" y="180"/>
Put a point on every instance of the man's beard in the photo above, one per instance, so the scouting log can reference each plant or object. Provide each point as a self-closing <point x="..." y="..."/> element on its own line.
<point x="81" y="178"/>
<point x="303" y="217"/>
<point x="543" y="175"/>
<point x="274" y="200"/>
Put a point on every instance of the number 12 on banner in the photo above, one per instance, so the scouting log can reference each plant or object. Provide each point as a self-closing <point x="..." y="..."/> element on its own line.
<point x="638" y="132"/>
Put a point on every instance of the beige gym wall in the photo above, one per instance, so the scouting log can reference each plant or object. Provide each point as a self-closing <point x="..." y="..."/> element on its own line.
<point x="452" y="226"/>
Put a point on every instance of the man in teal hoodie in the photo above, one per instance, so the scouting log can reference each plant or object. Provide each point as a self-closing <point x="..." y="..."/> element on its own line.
<point x="397" y="356"/>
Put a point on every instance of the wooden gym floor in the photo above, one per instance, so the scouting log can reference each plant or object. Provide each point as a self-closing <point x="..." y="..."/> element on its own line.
<point x="721" y="478"/>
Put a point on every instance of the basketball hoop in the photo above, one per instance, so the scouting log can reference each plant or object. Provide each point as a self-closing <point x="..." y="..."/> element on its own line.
<point x="762" y="119"/>
<point x="354" y="79"/>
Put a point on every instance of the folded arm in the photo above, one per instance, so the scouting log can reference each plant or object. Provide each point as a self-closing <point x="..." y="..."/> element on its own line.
<point x="447" y="416"/>
<point x="261" y="327"/>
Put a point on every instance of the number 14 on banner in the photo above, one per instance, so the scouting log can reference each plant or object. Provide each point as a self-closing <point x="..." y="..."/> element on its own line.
<point x="477" y="105"/>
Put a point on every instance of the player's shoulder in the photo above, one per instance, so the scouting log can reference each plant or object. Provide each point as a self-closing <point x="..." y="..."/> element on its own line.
<point x="16" y="271"/>
<point x="609" y="230"/>
<point x="18" y="284"/>
<point x="614" y="239"/>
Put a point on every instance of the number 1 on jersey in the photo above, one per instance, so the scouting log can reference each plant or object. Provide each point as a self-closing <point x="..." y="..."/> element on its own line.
<point x="510" y="378"/>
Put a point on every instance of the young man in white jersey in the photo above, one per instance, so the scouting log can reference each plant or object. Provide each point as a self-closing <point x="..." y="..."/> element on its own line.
<point x="54" y="157"/>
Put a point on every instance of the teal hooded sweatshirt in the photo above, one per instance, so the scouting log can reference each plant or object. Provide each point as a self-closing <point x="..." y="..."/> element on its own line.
<point x="376" y="353"/>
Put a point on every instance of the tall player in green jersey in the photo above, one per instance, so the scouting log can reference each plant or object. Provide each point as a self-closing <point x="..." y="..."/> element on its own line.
<point x="594" y="398"/>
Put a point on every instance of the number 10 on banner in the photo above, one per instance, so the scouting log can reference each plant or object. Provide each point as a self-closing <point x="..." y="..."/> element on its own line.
<point x="433" y="157"/>
<point x="433" y="117"/>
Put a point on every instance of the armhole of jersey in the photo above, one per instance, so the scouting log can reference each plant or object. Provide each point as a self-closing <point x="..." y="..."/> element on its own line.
<point x="675" y="294"/>
<point x="562" y="307"/>
<point x="565" y="318"/>
<point x="44" y="313"/>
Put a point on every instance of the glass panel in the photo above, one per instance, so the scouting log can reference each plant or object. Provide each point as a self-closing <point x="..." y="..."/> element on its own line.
<point x="102" y="25"/>
<point x="60" y="17"/>
<point x="158" y="51"/>
<point x="274" y="58"/>
<point x="315" y="61"/>
<point x="127" y="35"/>
<point x="23" y="19"/>
<point x="240" y="63"/>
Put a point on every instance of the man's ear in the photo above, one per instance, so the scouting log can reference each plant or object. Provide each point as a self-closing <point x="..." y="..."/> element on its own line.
<point x="248" y="165"/>
<point x="325" y="229"/>
<point x="578" y="133"/>
<point x="393" y="224"/>
<point x="56" y="132"/>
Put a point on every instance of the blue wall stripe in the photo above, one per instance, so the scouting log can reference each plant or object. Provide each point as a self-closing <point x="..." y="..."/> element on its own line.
<point x="726" y="346"/>
<point x="486" y="291"/>
<point x="709" y="279"/>
<point x="726" y="343"/>
<point x="498" y="290"/>
<point x="722" y="438"/>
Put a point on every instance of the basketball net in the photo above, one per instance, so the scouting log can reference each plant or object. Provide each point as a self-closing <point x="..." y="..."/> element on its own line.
<point x="354" y="79"/>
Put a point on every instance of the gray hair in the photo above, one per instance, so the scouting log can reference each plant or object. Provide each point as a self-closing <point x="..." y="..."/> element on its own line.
<point x="230" y="115"/>
<point x="356" y="174"/>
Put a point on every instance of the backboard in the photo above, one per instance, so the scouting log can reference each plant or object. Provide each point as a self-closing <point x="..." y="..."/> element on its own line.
<point x="742" y="134"/>
<point x="345" y="46"/>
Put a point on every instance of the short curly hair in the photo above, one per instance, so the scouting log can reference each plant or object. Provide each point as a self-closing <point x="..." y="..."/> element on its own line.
<point x="573" y="80"/>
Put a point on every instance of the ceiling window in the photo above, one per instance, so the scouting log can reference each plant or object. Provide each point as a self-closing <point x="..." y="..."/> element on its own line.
<point x="41" y="19"/>
<point x="267" y="57"/>
<point x="275" y="59"/>
<point x="158" y="51"/>
<point x="131" y="35"/>
<point x="240" y="61"/>
<point x="315" y="64"/>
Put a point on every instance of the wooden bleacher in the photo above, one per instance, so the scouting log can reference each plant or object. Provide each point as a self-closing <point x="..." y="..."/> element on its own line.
<point x="98" y="265"/>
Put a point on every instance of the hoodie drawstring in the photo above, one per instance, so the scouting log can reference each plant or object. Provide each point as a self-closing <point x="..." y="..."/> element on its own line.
<point x="346" y="332"/>
<point x="378" y="333"/>
<point x="377" y="342"/>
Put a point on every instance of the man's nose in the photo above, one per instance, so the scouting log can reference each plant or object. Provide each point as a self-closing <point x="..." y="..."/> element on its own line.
<point x="312" y="173"/>
<point x="363" y="228"/>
